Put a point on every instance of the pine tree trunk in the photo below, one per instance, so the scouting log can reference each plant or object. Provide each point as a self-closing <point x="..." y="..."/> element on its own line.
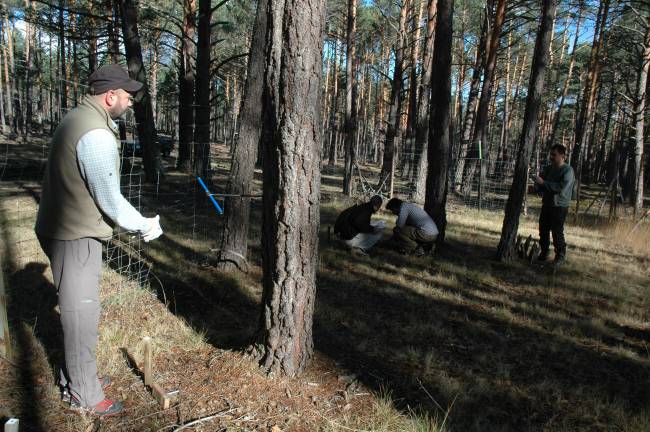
<point x="350" y="100"/>
<point x="291" y="215"/>
<point x="640" y="105"/>
<point x="506" y="249"/>
<point x="480" y="136"/>
<point x="186" y="78"/>
<point x="589" y="98"/>
<point x="234" y="239"/>
<point x="142" y="101"/>
<point x="63" y="85"/>
<point x="333" y="129"/>
<point x="396" y="98"/>
<point x="202" y="107"/>
<point x="470" y="111"/>
<point x="439" y="150"/>
<point x="422" y="121"/>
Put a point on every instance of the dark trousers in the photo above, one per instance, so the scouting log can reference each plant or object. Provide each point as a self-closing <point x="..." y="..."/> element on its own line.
<point x="551" y="220"/>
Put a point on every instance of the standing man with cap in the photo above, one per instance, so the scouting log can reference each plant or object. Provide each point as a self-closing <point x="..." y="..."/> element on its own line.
<point x="80" y="204"/>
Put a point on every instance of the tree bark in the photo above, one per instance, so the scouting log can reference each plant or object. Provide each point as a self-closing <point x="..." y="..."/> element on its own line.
<point x="589" y="98"/>
<point x="234" y="239"/>
<point x="396" y="97"/>
<point x="506" y="249"/>
<point x="186" y="78"/>
<point x="291" y="216"/>
<point x="350" y="100"/>
<point x="640" y="105"/>
<point x="470" y="111"/>
<point x="142" y="100"/>
<point x="424" y="94"/>
<point x="439" y="151"/>
<point x="479" y="138"/>
<point x="202" y="107"/>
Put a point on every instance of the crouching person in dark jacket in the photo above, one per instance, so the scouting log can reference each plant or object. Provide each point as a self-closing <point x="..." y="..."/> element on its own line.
<point x="354" y="228"/>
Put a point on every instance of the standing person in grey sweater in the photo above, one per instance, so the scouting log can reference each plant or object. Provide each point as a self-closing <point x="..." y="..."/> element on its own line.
<point x="415" y="231"/>
<point x="80" y="204"/>
<point x="556" y="184"/>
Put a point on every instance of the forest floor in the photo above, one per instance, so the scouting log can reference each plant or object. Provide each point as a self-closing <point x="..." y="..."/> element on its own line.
<point x="455" y="341"/>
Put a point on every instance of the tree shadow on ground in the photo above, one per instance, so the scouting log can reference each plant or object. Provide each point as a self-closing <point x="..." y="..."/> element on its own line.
<point x="507" y="357"/>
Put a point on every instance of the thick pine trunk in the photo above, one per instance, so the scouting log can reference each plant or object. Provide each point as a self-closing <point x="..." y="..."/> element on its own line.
<point x="350" y="100"/>
<point x="234" y="239"/>
<point x="291" y="217"/>
<point x="202" y="108"/>
<point x="186" y="78"/>
<point x="439" y="150"/>
<point x="506" y="249"/>
<point x="142" y="101"/>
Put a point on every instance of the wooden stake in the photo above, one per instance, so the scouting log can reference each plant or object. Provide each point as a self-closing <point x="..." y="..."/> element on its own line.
<point x="147" y="361"/>
<point x="160" y="395"/>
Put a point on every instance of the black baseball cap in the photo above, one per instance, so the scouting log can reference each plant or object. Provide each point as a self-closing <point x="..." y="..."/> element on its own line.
<point x="112" y="77"/>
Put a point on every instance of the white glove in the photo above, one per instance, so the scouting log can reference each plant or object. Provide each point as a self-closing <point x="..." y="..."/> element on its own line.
<point x="154" y="230"/>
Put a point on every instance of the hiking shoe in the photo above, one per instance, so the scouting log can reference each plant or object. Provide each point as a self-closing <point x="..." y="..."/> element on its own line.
<point x="105" y="408"/>
<point x="105" y="382"/>
<point x="559" y="260"/>
<point x="419" y="251"/>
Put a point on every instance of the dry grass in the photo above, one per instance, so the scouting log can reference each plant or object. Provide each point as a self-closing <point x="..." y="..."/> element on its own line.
<point x="456" y="342"/>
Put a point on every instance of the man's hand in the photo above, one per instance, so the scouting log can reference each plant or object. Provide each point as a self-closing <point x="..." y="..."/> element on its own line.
<point x="537" y="179"/>
<point x="154" y="230"/>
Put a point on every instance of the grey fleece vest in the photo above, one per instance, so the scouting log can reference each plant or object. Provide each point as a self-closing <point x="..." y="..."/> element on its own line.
<point x="67" y="210"/>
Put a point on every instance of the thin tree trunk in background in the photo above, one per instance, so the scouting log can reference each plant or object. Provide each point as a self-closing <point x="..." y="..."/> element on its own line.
<point x="506" y="249"/>
<point x="142" y="101"/>
<point x="186" y="88"/>
<point x="396" y="97"/>
<point x="472" y="100"/>
<point x="411" y="119"/>
<point x="234" y="239"/>
<point x="155" y="52"/>
<point x="439" y="151"/>
<point x="7" y="81"/>
<point x="640" y="105"/>
<point x="565" y="89"/>
<point x="3" y="124"/>
<point x="202" y="82"/>
<point x="28" y="51"/>
<point x="291" y="214"/>
<point x="350" y="100"/>
<point x="334" y="110"/>
<point x="422" y="120"/>
<point x="63" y="85"/>
<point x="479" y="138"/>
<point x="92" y="46"/>
<point x="504" y="137"/>
<point x="589" y="98"/>
<point x="113" y="31"/>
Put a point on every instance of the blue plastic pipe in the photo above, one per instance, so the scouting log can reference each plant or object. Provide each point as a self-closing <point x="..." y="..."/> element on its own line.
<point x="207" y="192"/>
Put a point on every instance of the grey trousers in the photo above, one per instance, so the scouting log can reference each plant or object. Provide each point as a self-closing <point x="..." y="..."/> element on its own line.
<point x="76" y="267"/>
